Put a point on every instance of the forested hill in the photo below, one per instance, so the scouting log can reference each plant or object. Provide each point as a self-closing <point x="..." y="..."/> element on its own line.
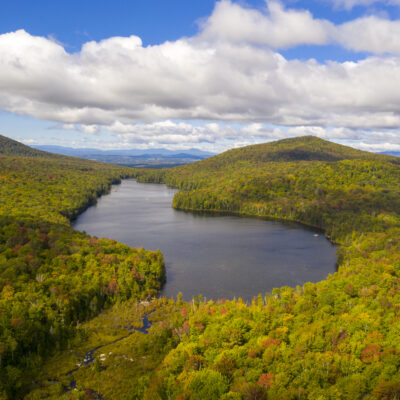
<point x="294" y="150"/>
<point x="12" y="147"/>
<point x="305" y="148"/>
<point x="304" y="179"/>
<point x="52" y="277"/>
<point x="337" y="339"/>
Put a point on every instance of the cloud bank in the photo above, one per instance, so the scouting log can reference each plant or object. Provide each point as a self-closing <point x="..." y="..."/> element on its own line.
<point x="231" y="72"/>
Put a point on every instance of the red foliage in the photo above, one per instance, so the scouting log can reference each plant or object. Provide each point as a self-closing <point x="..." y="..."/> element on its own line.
<point x="271" y="342"/>
<point x="183" y="396"/>
<point x="15" y="322"/>
<point x="226" y="366"/>
<point x="89" y="395"/>
<point x="371" y="353"/>
<point x="252" y="353"/>
<point x="194" y="363"/>
<point x="349" y="289"/>
<point x="387" y="390"/>
<point x="200" y="326"/>
<point x="135" y="274"/>
<point x="211" y="310"/>
<point x="112" y="287"/>
<point x="266" y="380"/>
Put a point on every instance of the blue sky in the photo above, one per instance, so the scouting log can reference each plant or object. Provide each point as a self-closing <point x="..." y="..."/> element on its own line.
<point x="75" y="22"/>
<point x="204" y="74"/>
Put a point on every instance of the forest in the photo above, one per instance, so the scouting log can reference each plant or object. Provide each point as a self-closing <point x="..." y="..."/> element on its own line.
<point x="336" y="339"/>
<point x="52" y="277"/>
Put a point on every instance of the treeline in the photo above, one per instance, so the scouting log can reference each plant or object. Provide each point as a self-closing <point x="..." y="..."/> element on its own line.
<point x="52" y="277"/>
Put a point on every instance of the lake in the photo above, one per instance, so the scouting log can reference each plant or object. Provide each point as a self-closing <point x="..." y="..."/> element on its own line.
<point x="218" y="256"/>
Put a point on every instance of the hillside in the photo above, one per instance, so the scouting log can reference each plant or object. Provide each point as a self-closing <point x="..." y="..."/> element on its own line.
<point x="293" y="179"/>
<point x="52" y="277"/>
<point x="305" y="148"/>
<point x="12" y="147"/>
<point x="336" y="339"/>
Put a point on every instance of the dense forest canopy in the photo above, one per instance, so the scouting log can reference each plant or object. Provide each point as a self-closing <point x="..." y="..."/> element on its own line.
<point x="52" y="277"/>
<point x="337" y="339"/>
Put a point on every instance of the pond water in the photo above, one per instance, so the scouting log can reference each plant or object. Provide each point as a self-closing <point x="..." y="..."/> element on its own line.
<point x="218" y="256"/>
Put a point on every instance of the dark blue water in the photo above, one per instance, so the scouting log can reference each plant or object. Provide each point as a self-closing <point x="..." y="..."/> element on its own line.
<point x="213" y="255"/>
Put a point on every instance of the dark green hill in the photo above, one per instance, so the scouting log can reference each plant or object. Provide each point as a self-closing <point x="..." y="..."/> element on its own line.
<point x="12" y="147"/>
<point x="301" y="149"/>
<point x="305" y="148"/>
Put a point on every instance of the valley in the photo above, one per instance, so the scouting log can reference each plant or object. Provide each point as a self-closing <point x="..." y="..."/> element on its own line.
<point x="65" y="293"/>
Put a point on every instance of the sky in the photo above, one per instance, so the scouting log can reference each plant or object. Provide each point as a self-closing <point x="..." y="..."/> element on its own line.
<point x="202" y="74"/>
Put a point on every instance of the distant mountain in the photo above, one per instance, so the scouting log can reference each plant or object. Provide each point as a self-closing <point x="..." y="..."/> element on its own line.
<point x="391" y="153"/>
<point x="150" y="158"/>
<point x="12" y="147"/>
<point x="79" y="152"/>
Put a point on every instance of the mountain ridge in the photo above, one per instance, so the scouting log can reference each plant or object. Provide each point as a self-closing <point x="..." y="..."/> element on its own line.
<point x="12" y="147"/>
<point x="304" y="148"/>
<point x="122" y="152"/>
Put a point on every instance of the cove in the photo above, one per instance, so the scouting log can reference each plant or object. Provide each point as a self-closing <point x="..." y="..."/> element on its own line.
<point x="218" y="256"/>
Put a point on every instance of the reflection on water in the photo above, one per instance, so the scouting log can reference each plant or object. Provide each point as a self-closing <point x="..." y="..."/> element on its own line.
<point x="213" y="255"/>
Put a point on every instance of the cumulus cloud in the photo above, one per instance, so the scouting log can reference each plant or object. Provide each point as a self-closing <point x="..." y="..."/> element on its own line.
<point x="90" y="129"/>
<point x="185" y="135"/>
<point x="119" y="80"/>
<point x="227" y="73"/>
<point x="372" y="34"/>
<point x="277" y="28"/>
<point x="282" y="28"/>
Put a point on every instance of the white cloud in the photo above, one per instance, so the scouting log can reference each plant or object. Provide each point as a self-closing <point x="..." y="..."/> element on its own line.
<point x="65" y="127"/>
<point x="185" y="80"/>
<point x="372" y="34"/>
<point x="171" y="132"/>
<point x="223" y="74"/>
<point x="28" y="141"/>
<point x="278" y="28"/>
<point x="90" y="129"/>
<point x="218" y="137"/>
<point x="282" y="28"/>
